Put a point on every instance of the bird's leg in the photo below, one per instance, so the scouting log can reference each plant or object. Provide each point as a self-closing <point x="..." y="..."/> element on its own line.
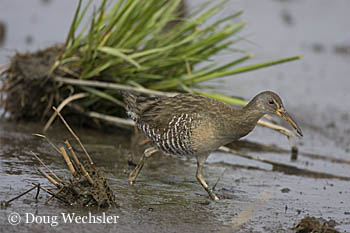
<point x="200" y="178"/>
<point x="146" y="154"/>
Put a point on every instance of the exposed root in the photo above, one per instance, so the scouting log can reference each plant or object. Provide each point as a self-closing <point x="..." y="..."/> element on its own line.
<point x="25" y="90"/>
<point x="5" y="204"/>
<point x="62" y="105"/>
<point x="285" y="168"/>
<point x="86" y="187"/>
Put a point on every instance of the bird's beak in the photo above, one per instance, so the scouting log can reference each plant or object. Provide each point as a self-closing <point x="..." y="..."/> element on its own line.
<point x="281" y="112"/>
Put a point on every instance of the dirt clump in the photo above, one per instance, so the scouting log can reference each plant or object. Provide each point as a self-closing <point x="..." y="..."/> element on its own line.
<point x="315" y="225"/>
<point x="26" y="92"/>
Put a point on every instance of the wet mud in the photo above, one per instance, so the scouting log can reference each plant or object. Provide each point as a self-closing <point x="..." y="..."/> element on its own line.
<point x="2" y="33"/>
<point x="26" y="92"/>
<point x="311" y="224"/>
<point x="257" y="198"/>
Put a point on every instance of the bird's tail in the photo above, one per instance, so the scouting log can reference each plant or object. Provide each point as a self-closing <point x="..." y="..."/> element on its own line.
<point x="137" y="105"/>
<point x="130" y="101"/>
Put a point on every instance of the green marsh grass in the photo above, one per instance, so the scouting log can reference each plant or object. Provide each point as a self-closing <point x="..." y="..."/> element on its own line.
<point x="153" y="47"/>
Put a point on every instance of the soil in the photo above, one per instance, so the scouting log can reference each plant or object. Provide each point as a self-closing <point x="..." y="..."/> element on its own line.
<point x="311" y="224"/>
<point x="2" y="33"/>
<point x="28" y="94"/>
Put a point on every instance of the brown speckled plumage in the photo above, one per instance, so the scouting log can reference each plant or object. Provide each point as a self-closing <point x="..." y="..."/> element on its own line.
<point x="188" y="124"/>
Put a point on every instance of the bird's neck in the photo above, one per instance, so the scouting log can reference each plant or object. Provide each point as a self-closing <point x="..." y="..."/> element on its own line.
<point x="252" y="115"/>
<point x="249" y="116"/>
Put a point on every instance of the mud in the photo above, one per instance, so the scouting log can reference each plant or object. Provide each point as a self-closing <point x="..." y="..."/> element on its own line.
<point x="311" y="224"/>
<point x="26" y="92"/>
<point x="2" y="33"/>
<point x="167" y="197"/>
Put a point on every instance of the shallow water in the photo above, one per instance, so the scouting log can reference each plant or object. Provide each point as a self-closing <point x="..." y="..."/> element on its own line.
<point x="167" y="197"/>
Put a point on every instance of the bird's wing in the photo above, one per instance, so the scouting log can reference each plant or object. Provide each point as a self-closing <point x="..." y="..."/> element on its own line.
<point x="160" y="112"/>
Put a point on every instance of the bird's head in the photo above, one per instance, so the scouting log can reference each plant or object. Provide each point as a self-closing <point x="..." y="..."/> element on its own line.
<point x="270" y="103"/>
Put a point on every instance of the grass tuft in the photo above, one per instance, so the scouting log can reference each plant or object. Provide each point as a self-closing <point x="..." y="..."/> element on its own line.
<point x="155" y="47"/>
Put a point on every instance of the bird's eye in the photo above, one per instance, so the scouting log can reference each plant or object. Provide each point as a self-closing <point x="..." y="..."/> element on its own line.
<point x="271" y="102"/>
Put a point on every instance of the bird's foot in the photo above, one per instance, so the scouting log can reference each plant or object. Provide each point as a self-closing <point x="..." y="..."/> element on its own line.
<point x="213" y="196"/>
<point x="225" y="194"/>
